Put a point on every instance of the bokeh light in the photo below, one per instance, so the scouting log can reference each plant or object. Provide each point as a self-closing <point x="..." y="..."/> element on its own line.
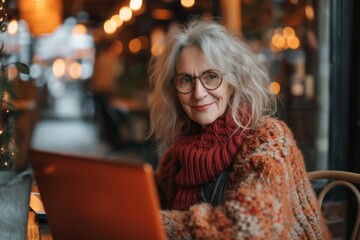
<point x="58" y="68"/>
<point x="274" y="88"/>
<point x="125" y="13"/>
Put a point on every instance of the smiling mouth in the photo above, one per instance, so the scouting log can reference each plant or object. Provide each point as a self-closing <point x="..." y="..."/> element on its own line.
<point x="201" y="107"/>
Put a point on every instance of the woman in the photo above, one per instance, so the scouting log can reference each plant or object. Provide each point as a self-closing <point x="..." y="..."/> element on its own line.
<point x="211" y="108"/>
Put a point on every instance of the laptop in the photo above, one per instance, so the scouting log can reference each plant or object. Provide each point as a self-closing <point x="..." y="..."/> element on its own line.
<point x="94" y="198"/>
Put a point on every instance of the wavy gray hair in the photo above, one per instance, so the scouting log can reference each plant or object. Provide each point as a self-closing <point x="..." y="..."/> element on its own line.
<point x="224" y="51"/>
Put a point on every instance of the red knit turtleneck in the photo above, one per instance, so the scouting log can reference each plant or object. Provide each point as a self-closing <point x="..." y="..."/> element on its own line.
<point x="202" y="157"/>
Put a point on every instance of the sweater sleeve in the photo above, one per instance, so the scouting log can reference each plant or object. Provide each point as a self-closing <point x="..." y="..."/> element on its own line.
<point x="259" y="201"/>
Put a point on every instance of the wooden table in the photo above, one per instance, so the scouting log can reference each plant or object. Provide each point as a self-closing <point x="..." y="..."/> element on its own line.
<point x="37" y="229"/>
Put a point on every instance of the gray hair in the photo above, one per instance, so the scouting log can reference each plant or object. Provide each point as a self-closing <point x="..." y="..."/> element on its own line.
<point x="224" y="51"/>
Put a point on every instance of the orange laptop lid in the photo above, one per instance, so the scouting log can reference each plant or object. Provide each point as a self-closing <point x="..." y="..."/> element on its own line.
<point x="92" y="198"/>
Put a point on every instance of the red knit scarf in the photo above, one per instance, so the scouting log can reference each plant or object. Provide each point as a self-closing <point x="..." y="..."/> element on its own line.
<point x="202" y="157"/>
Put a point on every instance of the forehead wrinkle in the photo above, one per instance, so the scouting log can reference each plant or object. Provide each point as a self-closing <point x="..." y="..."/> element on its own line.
<point x="191" y="61"/>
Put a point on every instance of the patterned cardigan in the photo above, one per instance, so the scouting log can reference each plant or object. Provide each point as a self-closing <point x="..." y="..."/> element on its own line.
<point x="268" y="196"/>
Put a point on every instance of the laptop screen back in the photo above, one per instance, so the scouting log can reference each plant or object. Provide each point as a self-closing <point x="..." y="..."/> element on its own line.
<point x="92" y="198"/>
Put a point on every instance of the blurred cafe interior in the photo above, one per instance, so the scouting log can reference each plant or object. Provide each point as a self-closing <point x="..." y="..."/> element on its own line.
<point x="87" y="91"/>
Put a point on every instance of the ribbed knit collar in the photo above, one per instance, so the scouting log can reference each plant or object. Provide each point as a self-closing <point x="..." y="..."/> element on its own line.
<point x="203" y="156"/>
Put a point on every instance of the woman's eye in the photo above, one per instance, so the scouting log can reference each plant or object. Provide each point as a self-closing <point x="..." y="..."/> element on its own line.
<point x="186" y="79"/>
<point x="210" y="76"/>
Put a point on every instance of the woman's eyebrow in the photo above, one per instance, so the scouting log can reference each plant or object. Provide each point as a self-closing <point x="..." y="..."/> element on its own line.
<point x="185" y="73"/>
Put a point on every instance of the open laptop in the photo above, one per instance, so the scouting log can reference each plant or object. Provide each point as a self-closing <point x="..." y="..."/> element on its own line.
<point x="93" y="198"/>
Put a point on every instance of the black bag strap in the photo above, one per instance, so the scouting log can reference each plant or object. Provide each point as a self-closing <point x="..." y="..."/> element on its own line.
<point x="217" y="197"/>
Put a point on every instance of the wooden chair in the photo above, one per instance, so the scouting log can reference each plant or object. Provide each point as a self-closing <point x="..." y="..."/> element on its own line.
<point x="340" y="178"/>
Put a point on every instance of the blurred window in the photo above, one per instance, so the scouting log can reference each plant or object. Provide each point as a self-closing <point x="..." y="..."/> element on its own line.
<point x="292" y="38"/>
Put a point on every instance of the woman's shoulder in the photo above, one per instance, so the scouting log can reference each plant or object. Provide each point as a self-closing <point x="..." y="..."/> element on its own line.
<point x="270" y="146"/>
<point x="270" y="127"/>
<point x="270" y="132"/>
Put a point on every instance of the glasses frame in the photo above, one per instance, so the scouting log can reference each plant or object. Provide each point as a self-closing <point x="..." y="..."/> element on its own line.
<point x="193" y="78"/>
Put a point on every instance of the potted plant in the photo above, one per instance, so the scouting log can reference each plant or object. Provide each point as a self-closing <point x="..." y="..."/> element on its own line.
<point x="15" y="184"/>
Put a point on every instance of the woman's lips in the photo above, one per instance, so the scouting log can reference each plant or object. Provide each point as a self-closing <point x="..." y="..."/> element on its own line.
<point x="201" y="107"/>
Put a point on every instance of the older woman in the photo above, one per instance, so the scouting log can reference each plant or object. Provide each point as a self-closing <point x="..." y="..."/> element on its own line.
<point x="230" y="170"/>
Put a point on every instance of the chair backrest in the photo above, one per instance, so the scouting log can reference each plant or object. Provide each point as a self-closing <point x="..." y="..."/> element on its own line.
<point x="340" y="178"/>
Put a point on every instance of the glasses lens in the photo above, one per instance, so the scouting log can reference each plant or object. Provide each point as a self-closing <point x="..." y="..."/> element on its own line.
<point x="183" y="83"/>
<point x="211" y="79"/>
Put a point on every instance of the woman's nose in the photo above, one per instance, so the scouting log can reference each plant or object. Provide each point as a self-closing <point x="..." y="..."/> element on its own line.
<point x="199" y="90"/>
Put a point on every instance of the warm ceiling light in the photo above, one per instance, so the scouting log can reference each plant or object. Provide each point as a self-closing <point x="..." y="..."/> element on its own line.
<point x="278" y="41"/>
<point x="12" y="72"/>
<point x="135" y="45"/>
<point x="79" y="29"/>
<point x="162" y="14"/>
<point x="42" y="16"/>
<point x="113" y="23"/>
<point x="109" y="27"/>
<point x="274" y="87"/>
<point x="75" y="70"/>
<point x="125" y="13"/>
<point x="135" y="4"/>
<point x="293" y="42"/>
<point x="309" y="12"/>
<point x="187" y="3"/>
<point x="13" y="27"/>
<point x="117" y="20"/>
<point x="58" y="68"/>
<point x="157" y="37"/>
<point x="288" y="32"/>
<point x="117" y="47"/>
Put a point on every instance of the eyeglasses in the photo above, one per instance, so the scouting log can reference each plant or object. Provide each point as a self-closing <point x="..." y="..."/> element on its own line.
<point x="210" y="80"/>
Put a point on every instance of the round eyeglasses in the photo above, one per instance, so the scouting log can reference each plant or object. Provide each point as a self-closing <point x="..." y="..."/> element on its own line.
<point x="210" y="79"/>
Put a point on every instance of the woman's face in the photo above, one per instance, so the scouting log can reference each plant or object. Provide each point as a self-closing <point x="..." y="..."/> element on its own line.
<point x="201" y="105"/>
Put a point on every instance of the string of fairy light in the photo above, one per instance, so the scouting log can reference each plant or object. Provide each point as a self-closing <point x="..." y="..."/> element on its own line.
<point x="3" y="16"/>
<point x="7" y="145"/>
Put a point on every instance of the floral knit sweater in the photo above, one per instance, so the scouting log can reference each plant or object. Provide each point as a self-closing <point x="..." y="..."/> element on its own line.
<point x="268" y="194"/>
